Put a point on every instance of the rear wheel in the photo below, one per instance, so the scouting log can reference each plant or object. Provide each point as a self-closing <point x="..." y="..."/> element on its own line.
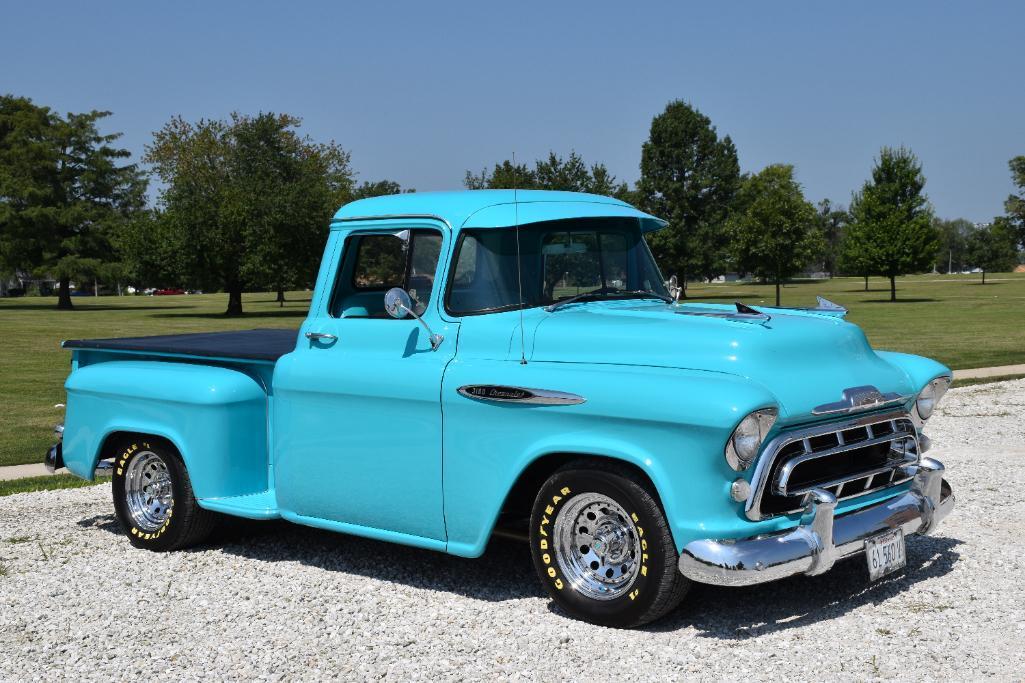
<point x="602" y="547"/>
<point x="153" y="497"/>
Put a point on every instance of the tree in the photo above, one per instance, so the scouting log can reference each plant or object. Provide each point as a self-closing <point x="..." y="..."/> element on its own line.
<point x="689" y="176"/>
<point x="772" y="232"/>
<point x="891" y="231"/>
<point x="247" y="199"/>
<point x="993" y="247"/>
<point x="62" y="192"/>
<point x="505" y="176"/>
<point x="377" y="188"/>
<point x="830" y="221"/>
<point x="952" y="238"/>
<point x="1015" y="204"/>
<point x="553" y="173"/>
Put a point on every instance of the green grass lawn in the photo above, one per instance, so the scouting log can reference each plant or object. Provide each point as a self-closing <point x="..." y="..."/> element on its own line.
<point x="33" y="367"/>
<point x="47" y="482"/>
<point x="953" y="319"/>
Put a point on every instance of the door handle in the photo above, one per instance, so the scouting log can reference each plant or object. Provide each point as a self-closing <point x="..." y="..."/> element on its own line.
<point x="320" y="336"/>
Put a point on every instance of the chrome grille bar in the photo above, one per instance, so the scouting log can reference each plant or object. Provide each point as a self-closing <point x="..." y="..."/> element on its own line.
<point x="784" y="474"/>
<point x="893" y="472"/>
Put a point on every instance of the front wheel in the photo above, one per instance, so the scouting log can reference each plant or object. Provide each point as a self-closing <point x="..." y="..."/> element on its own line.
<point x="153" y="497"/>
<point x="602" y="547"/>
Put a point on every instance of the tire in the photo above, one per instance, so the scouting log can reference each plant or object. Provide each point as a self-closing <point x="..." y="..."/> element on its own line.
<point x="602" y="548"/>
<point x="165" y="516"/>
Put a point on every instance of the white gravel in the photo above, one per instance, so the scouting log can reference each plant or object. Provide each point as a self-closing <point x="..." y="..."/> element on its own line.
<point x="275" y="601"/>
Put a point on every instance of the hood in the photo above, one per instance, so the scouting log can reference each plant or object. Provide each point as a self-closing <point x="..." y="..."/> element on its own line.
<point x="805" y="359"/>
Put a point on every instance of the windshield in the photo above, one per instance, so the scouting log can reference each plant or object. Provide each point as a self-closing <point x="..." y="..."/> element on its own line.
<point x="602" y="258"/>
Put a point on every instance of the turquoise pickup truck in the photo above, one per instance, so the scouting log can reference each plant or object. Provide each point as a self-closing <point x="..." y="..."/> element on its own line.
<point x="501" y="362"/>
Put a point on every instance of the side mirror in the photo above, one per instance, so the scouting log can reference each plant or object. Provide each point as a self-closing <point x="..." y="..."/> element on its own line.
<point x="674" y="287"/>
<point x="398" y="304"/>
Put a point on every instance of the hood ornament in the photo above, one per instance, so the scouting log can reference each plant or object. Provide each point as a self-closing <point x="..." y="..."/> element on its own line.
<point x="856" y="399"/>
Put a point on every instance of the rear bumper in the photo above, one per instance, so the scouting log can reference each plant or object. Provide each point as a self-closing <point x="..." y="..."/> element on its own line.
<point x="821" y="539"/>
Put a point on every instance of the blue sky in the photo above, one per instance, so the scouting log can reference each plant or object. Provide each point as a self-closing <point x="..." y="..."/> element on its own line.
<point x="421" y="92"/>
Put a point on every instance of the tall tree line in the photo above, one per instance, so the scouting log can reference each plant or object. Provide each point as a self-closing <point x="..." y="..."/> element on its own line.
<point x="243" y="203"/>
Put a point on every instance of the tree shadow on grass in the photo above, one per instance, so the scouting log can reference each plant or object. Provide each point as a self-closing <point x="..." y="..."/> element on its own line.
<point x="280" y="313"/>
<point x="720" y="297"/>
<point x="87" y="308"/>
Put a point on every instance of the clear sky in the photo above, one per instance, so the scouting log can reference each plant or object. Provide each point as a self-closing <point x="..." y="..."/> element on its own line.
<point x="421" y="92"/>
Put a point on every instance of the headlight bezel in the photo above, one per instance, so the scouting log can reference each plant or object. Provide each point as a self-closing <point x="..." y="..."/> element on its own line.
<point x="748" y="436"/>
<point x="930" y="396"/>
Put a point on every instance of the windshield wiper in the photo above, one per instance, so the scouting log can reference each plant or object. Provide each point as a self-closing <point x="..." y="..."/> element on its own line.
<point x="608" y="290"/>
<point x="576" y="297"/>
<point x="646" y="292"/>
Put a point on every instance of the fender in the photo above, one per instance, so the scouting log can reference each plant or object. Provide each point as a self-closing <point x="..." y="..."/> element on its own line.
<point x="672" y="425"/>
<point x="919" y="370"/>
<point x="215" y="416"/>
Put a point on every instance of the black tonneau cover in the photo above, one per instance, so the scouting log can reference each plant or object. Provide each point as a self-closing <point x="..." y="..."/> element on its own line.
<point x="265" y="345"/>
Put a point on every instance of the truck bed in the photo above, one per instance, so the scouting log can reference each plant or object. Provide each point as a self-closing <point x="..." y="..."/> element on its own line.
<point x="257" y="345"/>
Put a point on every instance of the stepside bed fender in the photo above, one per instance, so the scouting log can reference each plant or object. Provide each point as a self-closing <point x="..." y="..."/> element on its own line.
<point x="215" y="416"/>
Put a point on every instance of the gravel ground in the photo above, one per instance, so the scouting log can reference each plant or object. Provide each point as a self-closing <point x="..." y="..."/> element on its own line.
<point x="275" y="601"/>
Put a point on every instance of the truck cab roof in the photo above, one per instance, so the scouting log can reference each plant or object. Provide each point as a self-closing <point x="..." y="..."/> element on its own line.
<point x="492" y="208"/>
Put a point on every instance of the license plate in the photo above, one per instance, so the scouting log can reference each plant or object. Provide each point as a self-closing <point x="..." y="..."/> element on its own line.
<point x="885" y="553"/>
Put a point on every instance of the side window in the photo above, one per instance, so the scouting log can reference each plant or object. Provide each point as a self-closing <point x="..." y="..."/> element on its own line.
<point x="373" y="263"/>
<point x="380" y="262"/>
<point x="483" y="278"/>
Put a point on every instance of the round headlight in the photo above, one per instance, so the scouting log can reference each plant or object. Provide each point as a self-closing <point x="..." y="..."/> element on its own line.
<point x="747" y="438"/>
<point x="930" y="396"/>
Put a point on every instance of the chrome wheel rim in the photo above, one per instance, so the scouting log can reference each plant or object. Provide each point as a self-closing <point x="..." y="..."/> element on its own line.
<point x="148" y="491"/>
<point x="597" y="546"/>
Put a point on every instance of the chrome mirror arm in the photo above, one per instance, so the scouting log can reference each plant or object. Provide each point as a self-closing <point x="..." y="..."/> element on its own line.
<point x="397" y="303"/>
<point x="435" y="339"/>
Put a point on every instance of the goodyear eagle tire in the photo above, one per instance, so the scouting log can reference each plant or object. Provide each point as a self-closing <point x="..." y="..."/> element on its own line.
<point x="153" y="497"/>
<point x="602" y="547"/>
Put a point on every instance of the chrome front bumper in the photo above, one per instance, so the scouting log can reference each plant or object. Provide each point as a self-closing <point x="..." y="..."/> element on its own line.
<point x="54" y="459"/>
<point x="820" y="539"/>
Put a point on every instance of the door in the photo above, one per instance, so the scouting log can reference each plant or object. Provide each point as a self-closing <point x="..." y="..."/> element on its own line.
<point x="357" y="418"/>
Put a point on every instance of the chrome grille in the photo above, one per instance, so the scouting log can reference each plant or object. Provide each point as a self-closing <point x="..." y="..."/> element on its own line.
<point x="848" y="459"/>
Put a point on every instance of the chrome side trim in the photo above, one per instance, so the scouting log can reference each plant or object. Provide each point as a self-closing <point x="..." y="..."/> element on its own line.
<point x="506" y="394"/>
<point x="759" y="479"/>
<point x="821" y="538"/>
<point x="859" y="398"/>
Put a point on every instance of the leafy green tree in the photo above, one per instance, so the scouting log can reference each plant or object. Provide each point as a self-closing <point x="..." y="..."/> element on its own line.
<point x="247" y="199"/>
<point x="689" y="176"/>
<point x="63" y="192"/>
<point x="553" y="173"/>
<point x="993" y="247"/>
<point x="1015" y="204"/>
<point x="505" y="176"/>
<point x="891" y="231"/>
<point x="830" y="221"/>
<point x="952" y="238"/>
<point x="772" y="231"/>
<point x="377" y="188"/>
<point x="153" y="253"/>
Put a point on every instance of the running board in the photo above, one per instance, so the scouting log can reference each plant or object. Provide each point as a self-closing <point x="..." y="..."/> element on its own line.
<point x="263" y="505"/>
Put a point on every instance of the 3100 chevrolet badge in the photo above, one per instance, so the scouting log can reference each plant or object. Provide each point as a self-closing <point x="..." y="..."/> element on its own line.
<point x="475" y="361"/>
